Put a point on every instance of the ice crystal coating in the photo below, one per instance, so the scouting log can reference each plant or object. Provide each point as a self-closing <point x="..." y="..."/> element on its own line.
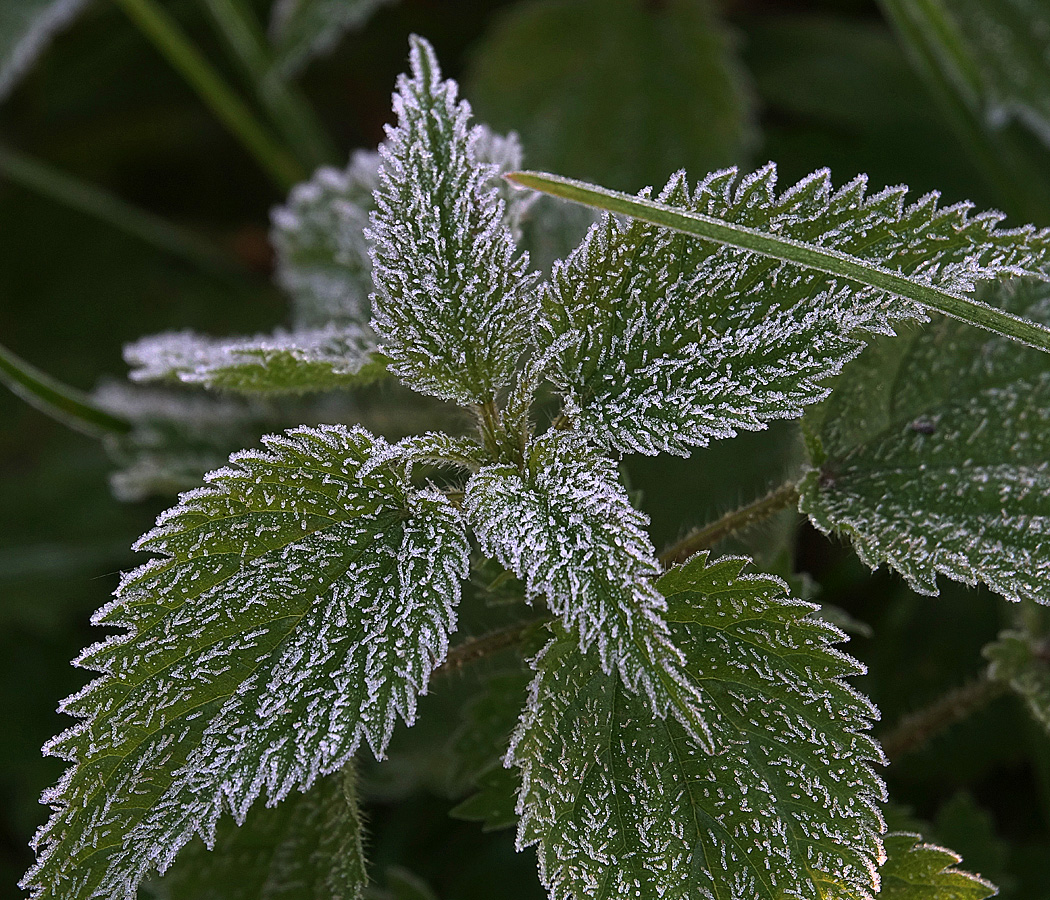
<point x="678" y="341"/>
<point x="303" y="29"/>
<point x="453" y="306"/>
<point x="934" y="455"/>
<point x="310" y="847"/>
<point x="564" y="525"/>
<point x="918" y="871"/>
<point x="26" y="28"/>
<point x="323" y="259"/>
<point x="282" y="363"/>
<point x="1020" y="658"/>
<point x="623" y="805"/>
<point x="294" y="609"/>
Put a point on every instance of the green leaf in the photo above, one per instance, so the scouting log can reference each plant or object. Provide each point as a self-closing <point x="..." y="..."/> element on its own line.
<point x="623" y="805"/>
<point x="1020" y="658"/>
<point x="26" y="28"/>
<point x="452" y="307"/>
<point x="924" y="253"/>
<point x="917" y="871"/>
<point x="933" y="456"/>
<point x="640" y="91"/>
<point x="295" y="608"/>
<point x="308" y="848"/>
<point x="282" y="363"/>
<point x="318" y="236"/>
<point x="674" y="341"/>
<point x="565" y="526"/>
<point x="301" y="30"/>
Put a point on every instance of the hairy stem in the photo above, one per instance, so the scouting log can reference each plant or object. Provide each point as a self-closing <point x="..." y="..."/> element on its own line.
<point x="94" y="201"/>
<point x="60" y="401"/>
<point x="486" y="645"/>
<point x="811" y="256"/>
<point x="286" y="107"/>
<point x="171" y="41"/>
<point x="706" y="537"/>
<point x="915" y="730"/>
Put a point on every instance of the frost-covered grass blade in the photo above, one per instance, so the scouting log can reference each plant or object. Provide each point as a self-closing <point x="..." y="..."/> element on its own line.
<point x="565" y="526"/>
<point x="933" y="456"/>
<point x="623" y="805"/>
<point x="452" y="305"/>
<point x="295" y="609"/>
<point x="26" y="27"/>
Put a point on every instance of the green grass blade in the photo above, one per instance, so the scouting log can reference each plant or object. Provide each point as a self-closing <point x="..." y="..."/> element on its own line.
<point x="823" y="260"/>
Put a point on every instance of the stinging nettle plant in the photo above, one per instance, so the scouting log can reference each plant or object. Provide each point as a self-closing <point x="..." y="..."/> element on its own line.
<point x="689" y="730"/>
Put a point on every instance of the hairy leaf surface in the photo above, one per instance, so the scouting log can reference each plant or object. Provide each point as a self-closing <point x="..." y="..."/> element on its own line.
<point x="934" y="455"/>
<point x="452" y="307"/>
<point x="677" y="340"/>
<point x="319" y="238"/>
<point x="303" y="29"/>
<point x="282" y="363"/>
<point x="26" y="27"/>
<point x="295" y="608"/>
<point x="308" y="848"/>
<point x="623" y="805"/>
<point x="564" y="525"/>
<point x="918" y="871"/>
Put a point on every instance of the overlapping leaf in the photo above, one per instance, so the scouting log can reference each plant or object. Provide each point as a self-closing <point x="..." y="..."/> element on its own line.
<point x="565" y="526"/>
<point x="935" y="456"/>
<point x="26" y="27"/>
<point x="282" y="363"/>
<point x="452" y="307"/>
<point x="918" y="871"/>
<point x="296" y="608"/>
<point x="677" y="340"/>
<point x="308" y="848"/>
<point x="622" y="805"/>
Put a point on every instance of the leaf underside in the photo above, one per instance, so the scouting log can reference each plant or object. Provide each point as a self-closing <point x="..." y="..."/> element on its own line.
<point x="295" y="609"/>
<point x="936" y="456"/>
<point x="674" y="340"/>
<point x="623" y="805"/>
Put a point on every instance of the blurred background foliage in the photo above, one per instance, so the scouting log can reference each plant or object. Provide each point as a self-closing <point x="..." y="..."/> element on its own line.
<point x="618" y="91"/>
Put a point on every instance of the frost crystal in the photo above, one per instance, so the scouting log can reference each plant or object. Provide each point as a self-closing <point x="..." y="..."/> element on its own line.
<point x="295" y="608"/>
<point x="622" y="805"/>
<point x="678" y="341"/>
<point x="453" y="307"/>
<point x="295" y="362"/>
<point x="935" y="456"/>
<point x="565" y="526"/>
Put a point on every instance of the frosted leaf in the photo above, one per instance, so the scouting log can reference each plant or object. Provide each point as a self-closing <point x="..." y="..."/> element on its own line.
<point x="308" y="848"/>
<point x="453" y="305"/>
<point x="282" y="363"/>
<point x="933" y="455"/>
<point x="1020" y="658"/>
<point x="918" y="871"/>
<point x="564" y="525"/>
<point x="294" y="609"/>
<point x="678" y="341"/>
<point x="303" y="29"/>
<point x="323" y="257"/>
<point x="438" y="449"/>
<point x="623" y="805"/>
<point x="26" y="28"/>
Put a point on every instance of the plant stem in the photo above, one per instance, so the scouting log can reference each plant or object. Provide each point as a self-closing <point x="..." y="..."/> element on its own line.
<point x="709" y="535"/>
<point x="94" y="201"/>
<point x="811" y="256"/>
<point x="172" y="42"/>
<point x="61" y="402"/>
<point x="287" y="108"/>
<point x="486" y="645"/>
<point x="916" y="729"/>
